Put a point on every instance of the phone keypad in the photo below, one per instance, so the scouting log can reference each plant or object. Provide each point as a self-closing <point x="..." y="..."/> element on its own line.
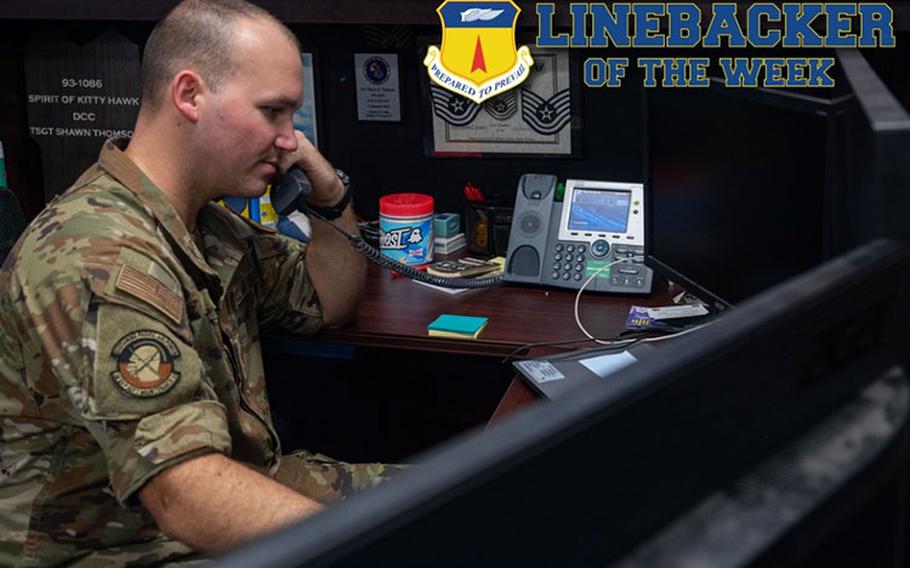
<point x="569" y="264"/>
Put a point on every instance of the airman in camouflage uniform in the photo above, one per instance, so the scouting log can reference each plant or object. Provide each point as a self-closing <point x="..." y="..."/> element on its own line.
<point x="125" y="347"/>
<point x="129" y="346"/>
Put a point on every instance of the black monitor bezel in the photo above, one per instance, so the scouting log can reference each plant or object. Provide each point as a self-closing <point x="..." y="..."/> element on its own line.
<point x="869" y="285"/>
<point x="878" y="181"/>
<point x="784" y="99"/>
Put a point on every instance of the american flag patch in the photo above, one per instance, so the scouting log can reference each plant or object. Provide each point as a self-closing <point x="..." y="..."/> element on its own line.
<point x="150" y="290"/>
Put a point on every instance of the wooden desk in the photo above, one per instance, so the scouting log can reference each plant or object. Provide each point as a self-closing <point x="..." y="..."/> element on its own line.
<point x="395" y="313"/>
<point x="403" y="390"/>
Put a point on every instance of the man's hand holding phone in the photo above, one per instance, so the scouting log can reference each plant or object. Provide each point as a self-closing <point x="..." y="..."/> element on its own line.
<point x="327" y="187"/>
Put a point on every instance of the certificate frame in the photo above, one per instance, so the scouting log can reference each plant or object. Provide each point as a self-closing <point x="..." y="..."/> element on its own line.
<point x="444" y="137"/>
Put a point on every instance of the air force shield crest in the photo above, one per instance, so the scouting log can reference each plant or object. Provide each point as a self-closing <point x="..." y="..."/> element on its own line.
<point x="478" y="59"/>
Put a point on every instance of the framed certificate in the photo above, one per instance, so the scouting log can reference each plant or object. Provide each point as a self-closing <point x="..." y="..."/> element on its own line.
<point x="540" y="117"/>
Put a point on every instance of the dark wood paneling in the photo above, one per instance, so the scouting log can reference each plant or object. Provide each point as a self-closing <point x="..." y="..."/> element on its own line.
<point x="309" y="11"/>
<point x="291" y="11"/>
<point x="22" y="165"/>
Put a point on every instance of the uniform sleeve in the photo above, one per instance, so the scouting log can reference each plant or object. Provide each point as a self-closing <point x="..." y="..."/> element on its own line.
<point x="151" y="405"/>
<point x="136" y="382"/>
<point x="288" y="299"/>
<point x="107" y="340"/>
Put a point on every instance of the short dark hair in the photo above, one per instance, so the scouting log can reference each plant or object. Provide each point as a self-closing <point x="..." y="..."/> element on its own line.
<point x="196" y="34"/>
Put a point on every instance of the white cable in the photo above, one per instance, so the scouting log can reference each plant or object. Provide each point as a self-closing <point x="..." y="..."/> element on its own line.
<point x="582" y="289"/>
<point x="620" y="341"/>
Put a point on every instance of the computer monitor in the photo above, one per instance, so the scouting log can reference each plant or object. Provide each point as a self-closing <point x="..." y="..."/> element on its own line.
<point x="748" y="187"/>
<point x="735" y="188"/>
<point x="582" y="480"/>
<point x="871" y="159"/>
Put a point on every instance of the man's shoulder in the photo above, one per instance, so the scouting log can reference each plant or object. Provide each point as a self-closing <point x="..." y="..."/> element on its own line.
<point x="99" y="198"/>
<point x="100" y="208"/>
<point x="89" y="224"/>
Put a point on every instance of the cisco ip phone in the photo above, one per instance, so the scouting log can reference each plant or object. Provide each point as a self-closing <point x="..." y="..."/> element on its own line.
<point x="562" y="244"/>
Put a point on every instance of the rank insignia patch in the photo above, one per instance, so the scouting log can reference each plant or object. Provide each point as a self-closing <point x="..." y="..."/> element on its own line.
<point x="145" y="363"/>
<point x="478" y="59"/>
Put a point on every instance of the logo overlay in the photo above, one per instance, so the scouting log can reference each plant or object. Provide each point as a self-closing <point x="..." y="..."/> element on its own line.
<point x="478" y="59"/>
<point x="726" y="25"/>
<point x="145" y="363"/>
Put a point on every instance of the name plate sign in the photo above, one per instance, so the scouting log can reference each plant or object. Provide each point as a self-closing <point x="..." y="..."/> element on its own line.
<point x="77" y="97"/>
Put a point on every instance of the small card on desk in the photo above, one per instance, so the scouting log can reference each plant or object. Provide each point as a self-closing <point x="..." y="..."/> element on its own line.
<point x="552" y="377"/>
<point x="465" y="327"/>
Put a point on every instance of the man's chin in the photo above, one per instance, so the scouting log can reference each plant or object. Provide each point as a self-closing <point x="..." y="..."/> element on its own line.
<point x="255" y="189"/>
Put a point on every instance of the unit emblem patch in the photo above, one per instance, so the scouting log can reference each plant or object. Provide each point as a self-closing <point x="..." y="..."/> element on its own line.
<point x="145" y="363"/>
<point x="478" y="58"/>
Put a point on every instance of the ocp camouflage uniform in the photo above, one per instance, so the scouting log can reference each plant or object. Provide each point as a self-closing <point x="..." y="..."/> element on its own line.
<point x="125" y="349"/>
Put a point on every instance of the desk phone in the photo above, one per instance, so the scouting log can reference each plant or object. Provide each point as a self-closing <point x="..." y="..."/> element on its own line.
<point x="563" y="243"/>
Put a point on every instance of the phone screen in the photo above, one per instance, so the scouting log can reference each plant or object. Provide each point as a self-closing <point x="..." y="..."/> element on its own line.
<point x="599" y="210"/>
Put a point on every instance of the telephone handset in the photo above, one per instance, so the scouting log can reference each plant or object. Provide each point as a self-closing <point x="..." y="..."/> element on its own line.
<point x="562" y="244"/>
<point x="289" y="193"/>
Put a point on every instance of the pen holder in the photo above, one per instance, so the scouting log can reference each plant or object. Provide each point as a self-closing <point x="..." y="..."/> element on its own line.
<point x="487" y="225"/>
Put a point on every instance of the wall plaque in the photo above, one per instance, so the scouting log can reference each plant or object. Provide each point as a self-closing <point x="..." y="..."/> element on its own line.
<point x="378" y="91"/>
<point x="77" y="97"/>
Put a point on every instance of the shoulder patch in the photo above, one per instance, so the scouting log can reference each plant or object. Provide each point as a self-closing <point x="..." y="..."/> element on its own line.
<point x="149" y="289"/>
<point x="145" y="363"/>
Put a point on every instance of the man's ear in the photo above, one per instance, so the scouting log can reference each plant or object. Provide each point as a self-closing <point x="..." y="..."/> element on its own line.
<point x="187" y="94"/>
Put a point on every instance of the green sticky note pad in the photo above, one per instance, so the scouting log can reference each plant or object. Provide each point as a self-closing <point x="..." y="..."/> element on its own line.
<point x="468" y="325"/>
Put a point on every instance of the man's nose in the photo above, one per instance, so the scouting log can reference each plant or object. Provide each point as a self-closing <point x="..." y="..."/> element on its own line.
<point x="286" y="139"/>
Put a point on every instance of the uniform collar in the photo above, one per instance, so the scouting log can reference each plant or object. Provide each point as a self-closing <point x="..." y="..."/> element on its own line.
<point x="120" y="167"/>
